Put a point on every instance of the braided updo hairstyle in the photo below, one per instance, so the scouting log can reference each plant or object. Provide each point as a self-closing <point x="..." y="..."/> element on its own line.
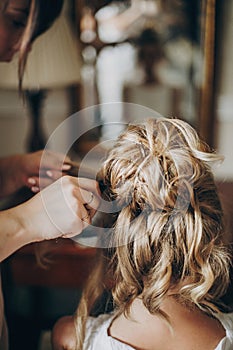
<point x="168" y="230"/>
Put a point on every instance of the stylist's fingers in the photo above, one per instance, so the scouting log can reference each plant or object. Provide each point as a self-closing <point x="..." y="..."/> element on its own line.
<point x="52" y="174"/>
<point x="33" y="184"/>
<point x="89" y="200"/>
<point x="47" y="177"/>
<point x="54" y="160"/>
<point x="84" y="216"/>
<point x="37" y="184"/>
<point x="91" y="186"/>
<point x="70" y="203"/>
<point x="87" y="192"/>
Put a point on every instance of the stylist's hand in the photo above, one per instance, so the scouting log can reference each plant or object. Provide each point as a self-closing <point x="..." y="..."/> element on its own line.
<point x="24" y="170"/>
<point x="49" y="170"/>
<point x="63" y="209"/>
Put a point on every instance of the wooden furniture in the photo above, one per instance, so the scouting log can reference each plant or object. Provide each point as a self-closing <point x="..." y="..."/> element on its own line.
<point x="37" y="295"/>
<point x="68" y="264"/>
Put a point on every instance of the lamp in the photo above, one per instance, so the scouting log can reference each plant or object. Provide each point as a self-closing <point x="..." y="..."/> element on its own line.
<point x="53" y="63"/>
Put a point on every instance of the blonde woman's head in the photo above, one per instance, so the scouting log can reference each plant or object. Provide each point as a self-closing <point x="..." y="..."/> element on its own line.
<point x="169" y="225"/>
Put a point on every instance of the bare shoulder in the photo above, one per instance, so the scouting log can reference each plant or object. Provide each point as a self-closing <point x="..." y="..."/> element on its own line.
<point x="63" y="334"/>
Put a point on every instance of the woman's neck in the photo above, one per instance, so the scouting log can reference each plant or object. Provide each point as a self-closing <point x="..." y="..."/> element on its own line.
<point x="189" y="328"/>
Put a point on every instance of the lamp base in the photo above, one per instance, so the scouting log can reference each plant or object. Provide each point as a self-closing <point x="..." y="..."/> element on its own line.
<point x="36" y="139"/>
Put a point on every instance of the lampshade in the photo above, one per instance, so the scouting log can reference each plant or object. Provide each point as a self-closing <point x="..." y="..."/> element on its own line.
<point x="54" y="61"/>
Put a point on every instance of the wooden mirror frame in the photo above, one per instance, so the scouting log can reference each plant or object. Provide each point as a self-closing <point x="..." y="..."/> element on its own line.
<point x="206" y="123"/>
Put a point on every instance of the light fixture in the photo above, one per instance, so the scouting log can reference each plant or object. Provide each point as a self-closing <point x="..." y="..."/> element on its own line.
<point x="53" y="63"/>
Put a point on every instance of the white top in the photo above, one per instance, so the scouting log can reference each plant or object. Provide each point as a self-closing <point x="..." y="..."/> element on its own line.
<point x="97" y="334"/>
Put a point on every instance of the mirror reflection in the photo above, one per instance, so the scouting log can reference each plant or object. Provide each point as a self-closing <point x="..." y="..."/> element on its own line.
<point x="145" y="52"/>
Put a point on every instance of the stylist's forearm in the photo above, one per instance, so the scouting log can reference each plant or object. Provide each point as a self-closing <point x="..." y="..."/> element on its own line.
<point x="12" y="233"/>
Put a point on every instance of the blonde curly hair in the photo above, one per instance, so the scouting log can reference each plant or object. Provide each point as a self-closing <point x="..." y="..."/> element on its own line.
<point x="168" y="231"/>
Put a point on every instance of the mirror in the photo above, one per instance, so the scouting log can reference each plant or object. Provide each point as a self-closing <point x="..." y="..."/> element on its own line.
<point x="156" y="53"/>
